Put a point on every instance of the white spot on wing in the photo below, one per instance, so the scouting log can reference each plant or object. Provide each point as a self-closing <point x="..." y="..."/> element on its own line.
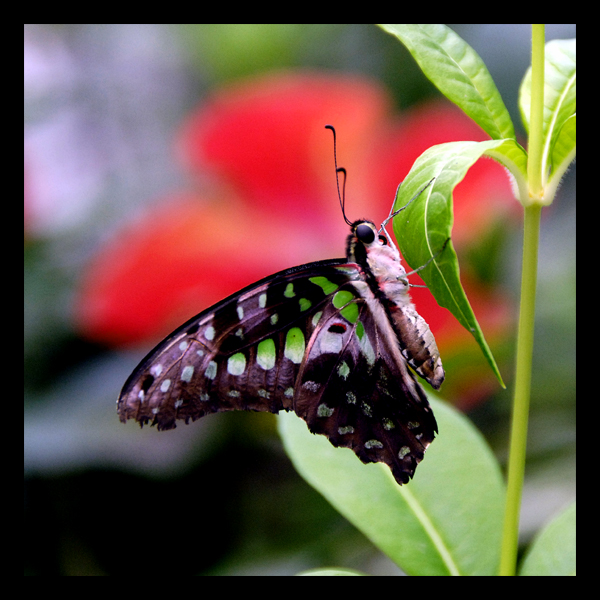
<point x="211" y="370"/>
<point x="404" y="451"/>
<point x="373" y="444"/>
<point x="311" y="386"/>
<point x="186" y="374"/>
<point x="324" y="411"/>
<point x="330" y="343"/>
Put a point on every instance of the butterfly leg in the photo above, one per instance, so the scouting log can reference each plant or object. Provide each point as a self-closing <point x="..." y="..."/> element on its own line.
<point x="394" y="213"/>
<point x="427" y="263"/>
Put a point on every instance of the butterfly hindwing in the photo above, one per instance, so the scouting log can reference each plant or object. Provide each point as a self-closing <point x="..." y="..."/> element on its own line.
<point x="355" y="388"/>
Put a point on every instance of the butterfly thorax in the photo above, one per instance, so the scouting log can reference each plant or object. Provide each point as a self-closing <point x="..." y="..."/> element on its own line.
<point x="387" y="278"/>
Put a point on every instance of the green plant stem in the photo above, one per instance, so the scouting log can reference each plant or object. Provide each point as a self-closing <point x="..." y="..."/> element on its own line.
<point x="535" y="167"/>
<point x="520" y="414"/>
<point x="533" y="209"/>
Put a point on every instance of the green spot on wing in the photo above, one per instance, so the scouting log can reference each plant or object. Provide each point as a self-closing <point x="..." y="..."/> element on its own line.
<point x="236" y="364"/>
<point x="343" y="370"/>
<point x="327" y="286"/>
<point x="305" y="304"/>
<point x="316" y="318"/>
<point x="350" y="312"/>
<point x="265" y="354"/>
<point x="341" y="298"/>
<point x="294" y="345"/>
<point x="360" y="330"/>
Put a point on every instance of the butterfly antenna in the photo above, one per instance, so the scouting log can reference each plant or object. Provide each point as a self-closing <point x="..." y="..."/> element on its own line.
<point x="341" y="196"/>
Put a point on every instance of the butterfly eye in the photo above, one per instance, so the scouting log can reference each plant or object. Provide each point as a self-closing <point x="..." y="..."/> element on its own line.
<point x="365" y="234"/>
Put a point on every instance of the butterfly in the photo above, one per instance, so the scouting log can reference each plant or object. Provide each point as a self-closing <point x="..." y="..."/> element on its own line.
<point x="331" y="340"/>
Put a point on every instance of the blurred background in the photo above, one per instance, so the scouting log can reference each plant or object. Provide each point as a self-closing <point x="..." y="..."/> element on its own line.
<point x="167" y="166"/>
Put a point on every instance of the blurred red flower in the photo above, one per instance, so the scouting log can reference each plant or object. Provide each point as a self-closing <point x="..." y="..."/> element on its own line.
<point x="266" y="137"/>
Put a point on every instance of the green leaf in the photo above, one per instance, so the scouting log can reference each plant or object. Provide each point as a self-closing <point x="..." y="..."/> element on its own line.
<point x="424" y="226"/>
<point x="560" y="95"/>
<point x="563" y="153"/>
<point x="512" y="155"/>
<point x="446" y="521"/>
<point x="458" y="72"/>
<point x="553" y="550"/>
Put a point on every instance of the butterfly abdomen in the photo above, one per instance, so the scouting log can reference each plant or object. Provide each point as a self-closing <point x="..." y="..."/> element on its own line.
<point x="417" y="344"/>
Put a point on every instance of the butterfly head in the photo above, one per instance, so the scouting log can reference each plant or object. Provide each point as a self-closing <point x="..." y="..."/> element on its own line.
<point x="365" y="238"/>
<point x="366" y="233"/>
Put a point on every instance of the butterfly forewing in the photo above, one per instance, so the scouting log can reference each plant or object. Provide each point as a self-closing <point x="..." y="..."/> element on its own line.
<point x="331" y="340"/>
<point x="242" y="354"/>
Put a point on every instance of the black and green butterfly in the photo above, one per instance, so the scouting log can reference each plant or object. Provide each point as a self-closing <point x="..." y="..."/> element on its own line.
<point x="330" y="340"/>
